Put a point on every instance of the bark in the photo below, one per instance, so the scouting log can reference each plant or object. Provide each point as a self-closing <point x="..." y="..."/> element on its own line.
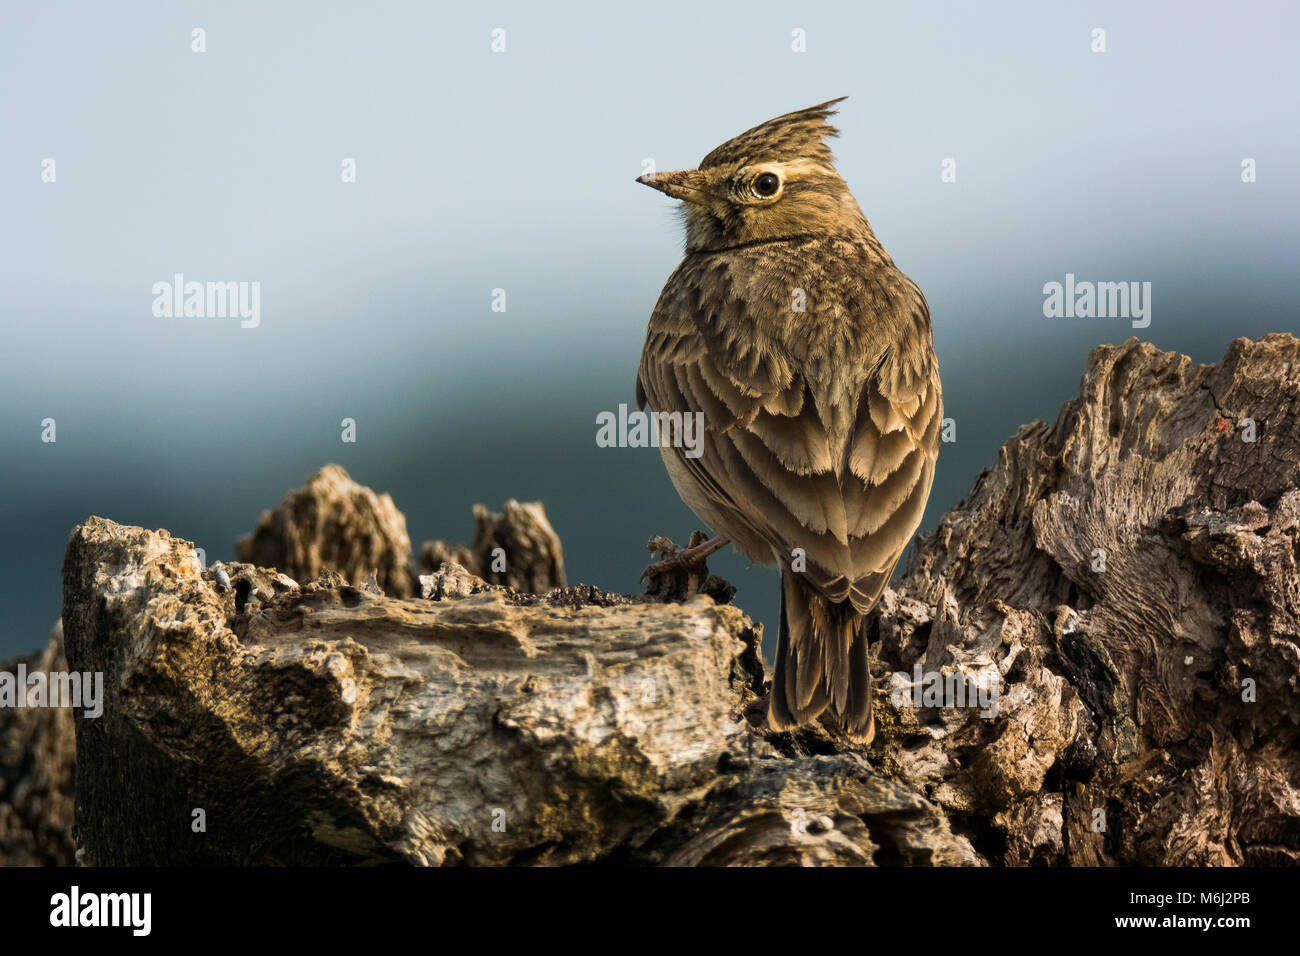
<point x="334" y="524"/>
<point x="37" y="760"/>
<point x="1129" y="574"/>
<point x="516" y="547"/>
<point x="330" y="724"/>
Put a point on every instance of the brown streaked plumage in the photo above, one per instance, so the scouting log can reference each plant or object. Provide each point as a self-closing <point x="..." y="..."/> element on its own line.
<point x="821" y="425"/>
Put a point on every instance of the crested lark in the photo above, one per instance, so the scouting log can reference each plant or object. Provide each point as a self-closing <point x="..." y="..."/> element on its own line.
<point x="809" y="353"/>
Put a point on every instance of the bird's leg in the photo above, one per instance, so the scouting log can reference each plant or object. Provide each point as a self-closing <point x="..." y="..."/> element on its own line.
<point x="689" y="561"/>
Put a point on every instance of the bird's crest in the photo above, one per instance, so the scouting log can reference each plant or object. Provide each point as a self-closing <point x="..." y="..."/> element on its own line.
<point x="797" y="135"/>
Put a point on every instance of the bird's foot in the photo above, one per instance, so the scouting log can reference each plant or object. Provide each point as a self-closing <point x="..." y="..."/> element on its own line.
<point x="691" y="559"/>
<point x="681" y="573"/>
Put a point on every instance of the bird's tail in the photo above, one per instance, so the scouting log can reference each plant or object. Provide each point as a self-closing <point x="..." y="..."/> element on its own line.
<point x="821" y="661"/>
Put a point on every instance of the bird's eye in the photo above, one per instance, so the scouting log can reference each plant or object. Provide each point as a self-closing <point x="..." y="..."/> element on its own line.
<point x="767" y="184"/>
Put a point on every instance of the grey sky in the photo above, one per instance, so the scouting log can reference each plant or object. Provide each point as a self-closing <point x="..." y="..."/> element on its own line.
<point x="479" y="171"/>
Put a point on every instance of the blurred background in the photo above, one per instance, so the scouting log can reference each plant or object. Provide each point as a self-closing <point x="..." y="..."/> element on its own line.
<point x="479" y="170"/>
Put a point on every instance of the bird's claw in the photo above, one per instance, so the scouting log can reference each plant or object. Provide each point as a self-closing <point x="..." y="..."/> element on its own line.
<point x="681" y="573"/>
<point x="689" y="558"/>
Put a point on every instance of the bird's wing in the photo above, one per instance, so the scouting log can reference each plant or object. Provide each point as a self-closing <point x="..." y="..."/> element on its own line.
<point x="891" y="457"/>
<point x="689" y="343"/>
<point x="844" y="478"/>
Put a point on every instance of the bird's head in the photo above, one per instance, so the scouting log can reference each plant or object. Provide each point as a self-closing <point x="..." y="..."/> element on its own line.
<point x="775" y="181"/>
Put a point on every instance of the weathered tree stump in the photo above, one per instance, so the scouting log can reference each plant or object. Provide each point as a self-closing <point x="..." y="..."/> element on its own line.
<point x="1118" y="593"/>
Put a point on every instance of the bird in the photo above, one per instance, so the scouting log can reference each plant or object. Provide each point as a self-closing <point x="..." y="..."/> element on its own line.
<point x="810" y="356"/>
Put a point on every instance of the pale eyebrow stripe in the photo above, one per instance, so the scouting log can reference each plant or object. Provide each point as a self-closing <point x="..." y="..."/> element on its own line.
<point x="799" y="166"/>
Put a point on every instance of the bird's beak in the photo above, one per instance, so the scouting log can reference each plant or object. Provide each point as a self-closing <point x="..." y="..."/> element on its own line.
<point x="687" y="184"/>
